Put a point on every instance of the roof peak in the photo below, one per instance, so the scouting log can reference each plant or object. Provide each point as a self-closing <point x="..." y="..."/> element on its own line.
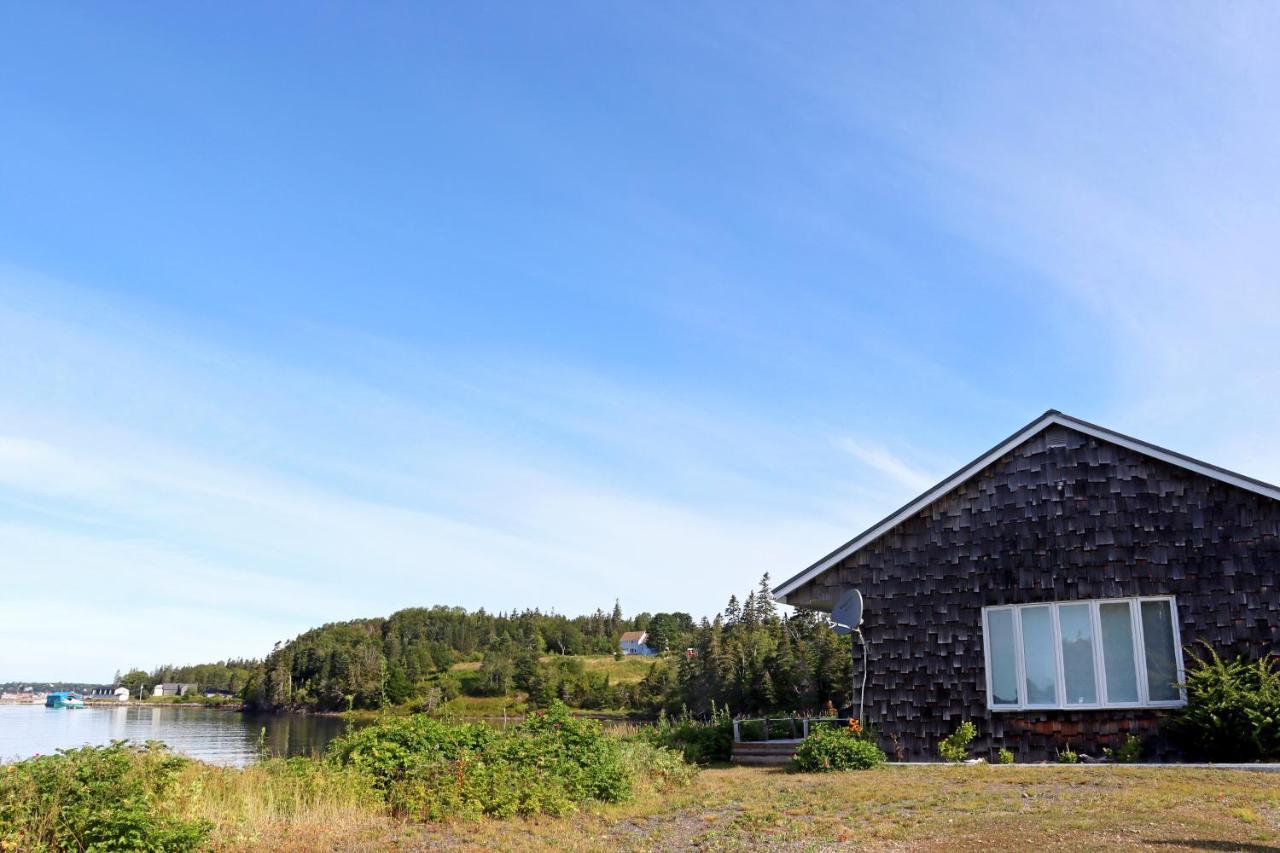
<point x="1034" y="428"/>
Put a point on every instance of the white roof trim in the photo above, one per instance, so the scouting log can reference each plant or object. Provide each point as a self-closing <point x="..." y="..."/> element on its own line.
<point x="1044" y="421"/>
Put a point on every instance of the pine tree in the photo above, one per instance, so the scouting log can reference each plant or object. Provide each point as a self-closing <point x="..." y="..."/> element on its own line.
<point x="732" y="613"/>
<point x="768" y="694"/>
<point x="766" y="610"/>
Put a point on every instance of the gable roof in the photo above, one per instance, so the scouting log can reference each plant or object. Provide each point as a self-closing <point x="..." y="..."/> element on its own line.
<point x="1048" y="419"/>
<point x="633" y="637"/>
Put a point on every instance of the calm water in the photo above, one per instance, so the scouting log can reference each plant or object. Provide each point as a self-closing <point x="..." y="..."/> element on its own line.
<point x="219" y="737"/>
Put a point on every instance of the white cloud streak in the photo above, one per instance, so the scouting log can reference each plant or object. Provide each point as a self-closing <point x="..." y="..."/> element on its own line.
<point x="889" y="465"/>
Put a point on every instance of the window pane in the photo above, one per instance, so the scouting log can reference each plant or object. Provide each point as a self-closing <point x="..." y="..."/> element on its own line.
<point x="1004" y="660"/>
<point x="1117" y="652"/>
<point x="1157" y="642"/>
<point x="1039" y="657"/>
<point x="1075" y="624"/>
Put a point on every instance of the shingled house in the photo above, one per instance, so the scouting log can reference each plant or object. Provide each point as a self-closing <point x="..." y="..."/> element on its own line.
<point x="1046" y="591"/>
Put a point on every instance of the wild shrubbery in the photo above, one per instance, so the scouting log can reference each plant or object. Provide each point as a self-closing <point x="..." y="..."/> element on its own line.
<point x="550" y="763"/>
<point x="698" y="741"/>
<point x="838" y="748"/>
<point x="126" y="797"/>
<point x="1232" y="711"/>
<point x="955" y="746"/>
<point x="117" y="797"/>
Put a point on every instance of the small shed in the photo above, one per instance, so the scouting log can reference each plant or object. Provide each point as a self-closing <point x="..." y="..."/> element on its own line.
<point x="635" y="643"/>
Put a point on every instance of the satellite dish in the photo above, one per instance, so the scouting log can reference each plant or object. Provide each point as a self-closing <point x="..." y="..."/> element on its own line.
<point x="848" y="610"/>
<point x="842" y="630"/>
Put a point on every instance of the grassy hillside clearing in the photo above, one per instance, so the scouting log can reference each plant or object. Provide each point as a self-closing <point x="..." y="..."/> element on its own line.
<point x="628" y="670"/>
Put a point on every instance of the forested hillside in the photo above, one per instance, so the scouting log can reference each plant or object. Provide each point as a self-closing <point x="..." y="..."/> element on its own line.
<point x="368" y="663"/>
<point x="750" y="658"/>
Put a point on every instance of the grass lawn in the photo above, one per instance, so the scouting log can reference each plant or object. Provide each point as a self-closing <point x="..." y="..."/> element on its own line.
<point x="629" y="670"/>
<point x="485" y="706"/>
<point x="918" y="808"/>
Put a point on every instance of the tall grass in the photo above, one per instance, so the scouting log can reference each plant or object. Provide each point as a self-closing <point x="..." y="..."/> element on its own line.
<point x="296" y="802"/>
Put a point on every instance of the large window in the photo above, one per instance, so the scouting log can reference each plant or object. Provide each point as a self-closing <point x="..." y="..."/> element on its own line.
<point x="1083" y="654"/>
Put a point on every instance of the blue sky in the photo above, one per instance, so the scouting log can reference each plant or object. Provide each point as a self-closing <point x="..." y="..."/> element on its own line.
<point x="316" y="311"/>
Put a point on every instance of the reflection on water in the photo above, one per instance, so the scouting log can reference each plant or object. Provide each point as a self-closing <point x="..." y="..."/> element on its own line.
<point x="219" y="737"/>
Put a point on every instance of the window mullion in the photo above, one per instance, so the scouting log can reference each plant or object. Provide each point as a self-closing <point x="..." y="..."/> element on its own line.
<point x="1140" y="650"/>
<point x="1099" y="676"/>
<point x="1021" y="664"/>
<point x="1059" y="682"/>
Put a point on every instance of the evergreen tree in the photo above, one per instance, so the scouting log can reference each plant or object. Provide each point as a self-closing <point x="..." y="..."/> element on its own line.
<point x="749" y="610"/>
<point x="732" y="613"/>
<point x="615" y="619"/>
<point x="766" y="609"/>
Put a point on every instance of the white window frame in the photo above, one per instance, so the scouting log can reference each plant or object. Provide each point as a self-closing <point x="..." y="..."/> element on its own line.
<point x="1099" y="673"/>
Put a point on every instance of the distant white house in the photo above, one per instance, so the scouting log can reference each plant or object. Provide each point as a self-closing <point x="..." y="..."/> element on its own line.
<point x="634" y="643"/>
<point x="170" y="688"/>
<point x="120" y="694"/>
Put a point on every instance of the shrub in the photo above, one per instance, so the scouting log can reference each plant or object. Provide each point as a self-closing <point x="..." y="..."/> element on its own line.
<point x="393" y="748"/>
<point x="1127" y="752"/>
<point x="1068" y="756"/>
<point x="955" y="746"/>
<point x="1232" y="711"/>
<point x="550" y="763"/>
<point x="698" y="741"/>
<point x="1004" y="756"/>
<point x="829" y="748"/>
<point x="117" y="797"/>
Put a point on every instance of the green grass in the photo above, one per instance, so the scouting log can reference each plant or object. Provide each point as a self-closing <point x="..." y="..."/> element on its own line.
<point x="916" y="807"/>
<point x="485" y="706"/>
<point x="629" y="670"/>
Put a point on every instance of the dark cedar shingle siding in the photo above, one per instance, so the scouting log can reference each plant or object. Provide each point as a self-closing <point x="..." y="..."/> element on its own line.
<point x="1063" y="516"/>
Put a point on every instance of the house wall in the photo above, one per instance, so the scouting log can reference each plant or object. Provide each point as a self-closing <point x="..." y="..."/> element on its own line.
<point x="1063" y="516"/>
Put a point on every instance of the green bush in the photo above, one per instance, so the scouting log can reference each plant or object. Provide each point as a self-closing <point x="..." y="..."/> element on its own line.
<point x="1127" y="752"/>
<point x="1232" y="711"/>
<point x="117" y="797"/>
<point x="837" y="749"/>
<point x="1004" y="756"/>
<point x="955" y="746"/>
<point x="700" y="742"/>
<point x="1068" y="756"/>
<point x="394" y="748"/>
<point x="548" y="764"/>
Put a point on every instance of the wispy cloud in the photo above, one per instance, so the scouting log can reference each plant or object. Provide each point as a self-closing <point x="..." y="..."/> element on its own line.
<point x="888" y="464"/>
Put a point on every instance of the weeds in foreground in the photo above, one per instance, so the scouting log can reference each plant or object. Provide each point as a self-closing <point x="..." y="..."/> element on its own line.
<point x="116" y="797"/>
<point x="955" y="746"/>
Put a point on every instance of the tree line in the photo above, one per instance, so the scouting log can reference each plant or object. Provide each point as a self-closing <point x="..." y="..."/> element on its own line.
<point x="233" y="676"/>
<point x="750" y="658"/>
<point x="369" y="663"/>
